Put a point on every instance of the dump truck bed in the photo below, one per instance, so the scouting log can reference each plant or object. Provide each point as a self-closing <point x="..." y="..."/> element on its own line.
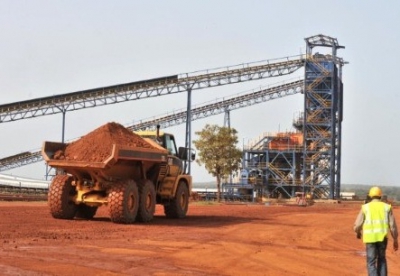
<point x="121" y="162"/>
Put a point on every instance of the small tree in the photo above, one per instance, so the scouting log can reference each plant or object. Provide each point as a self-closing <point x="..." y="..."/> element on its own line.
<point x="218" y="152"/>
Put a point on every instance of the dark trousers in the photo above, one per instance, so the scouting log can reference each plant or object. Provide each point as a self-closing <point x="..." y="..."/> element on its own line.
<point x="376" y="258"/>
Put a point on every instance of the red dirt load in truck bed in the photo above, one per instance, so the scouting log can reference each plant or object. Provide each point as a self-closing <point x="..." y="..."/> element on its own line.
<point x="96" y="146"/>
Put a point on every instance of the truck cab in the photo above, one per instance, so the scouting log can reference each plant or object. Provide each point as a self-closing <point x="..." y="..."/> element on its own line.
<point x="169" y="176"/>
<point x="166" y="140"/>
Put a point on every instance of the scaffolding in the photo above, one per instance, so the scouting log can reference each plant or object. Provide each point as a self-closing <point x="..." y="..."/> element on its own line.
<point x="322" y="118"/>
<point x="271" y="165"/>
<point x="307" y="161"/>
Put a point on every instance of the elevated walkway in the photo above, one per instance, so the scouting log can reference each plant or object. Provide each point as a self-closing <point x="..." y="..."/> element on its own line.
<point x="200" y="112"/>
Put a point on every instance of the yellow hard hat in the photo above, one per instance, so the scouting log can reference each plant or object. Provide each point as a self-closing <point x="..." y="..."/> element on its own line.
<point x="375" y="191"/>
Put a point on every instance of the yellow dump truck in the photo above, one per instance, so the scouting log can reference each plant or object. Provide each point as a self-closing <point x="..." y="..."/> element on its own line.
<point x="130" y="181"/>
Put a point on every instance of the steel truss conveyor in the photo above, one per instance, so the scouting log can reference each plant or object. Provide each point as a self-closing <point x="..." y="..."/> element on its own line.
<point x="223" y="106"/>
<point x="148" y="88"/>
<point x="200" y="112"/>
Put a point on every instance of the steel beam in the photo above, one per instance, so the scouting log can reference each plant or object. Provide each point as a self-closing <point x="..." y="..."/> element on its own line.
<point x="147" y="89"/>
<point x="169" y="120"/>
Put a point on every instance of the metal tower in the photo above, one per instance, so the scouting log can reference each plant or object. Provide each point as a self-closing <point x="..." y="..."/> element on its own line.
<point x="322" y="120"/>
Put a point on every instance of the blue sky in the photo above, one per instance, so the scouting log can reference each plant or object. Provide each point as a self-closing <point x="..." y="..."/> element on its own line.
<point x="54" y="47"/>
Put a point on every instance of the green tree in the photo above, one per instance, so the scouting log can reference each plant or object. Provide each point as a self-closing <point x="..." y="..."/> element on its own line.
<point x="218" y="152"/>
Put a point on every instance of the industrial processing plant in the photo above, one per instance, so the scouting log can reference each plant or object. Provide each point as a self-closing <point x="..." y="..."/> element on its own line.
<point x="307" y="160"/>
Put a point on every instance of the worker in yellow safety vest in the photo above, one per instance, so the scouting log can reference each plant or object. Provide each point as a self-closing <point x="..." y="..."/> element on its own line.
<point x="373" y="222"/>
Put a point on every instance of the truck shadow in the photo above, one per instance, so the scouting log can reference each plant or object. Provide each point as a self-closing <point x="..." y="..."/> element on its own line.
<point x="192" y="221"/>
<point x="201" y="221"/>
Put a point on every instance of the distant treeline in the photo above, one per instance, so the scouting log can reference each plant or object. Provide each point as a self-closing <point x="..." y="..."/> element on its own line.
<point x="392" y="192"/>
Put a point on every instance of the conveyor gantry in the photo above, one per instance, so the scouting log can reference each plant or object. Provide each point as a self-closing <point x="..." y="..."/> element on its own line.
<point x="166" y="121"/>
<point x="20" y="160"/>
<point x="147" y="88"/>
<point x="227" y="104"/>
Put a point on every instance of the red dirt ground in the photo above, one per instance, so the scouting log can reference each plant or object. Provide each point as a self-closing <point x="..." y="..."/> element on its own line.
<point x="211" y="240"/>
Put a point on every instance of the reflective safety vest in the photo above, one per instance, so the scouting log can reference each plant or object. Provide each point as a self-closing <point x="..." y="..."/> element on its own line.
<point x="376" y="221"/>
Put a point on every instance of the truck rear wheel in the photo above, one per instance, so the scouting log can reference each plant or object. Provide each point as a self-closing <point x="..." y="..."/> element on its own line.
<point x="60" y="197"/>
<point x="147" y="201"/>
<point x="85" y="211"/>
<point x="123" y="202"/>
<point x="178" y="206"/>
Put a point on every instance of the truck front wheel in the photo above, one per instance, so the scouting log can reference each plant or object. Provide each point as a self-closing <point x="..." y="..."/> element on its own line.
<point x="147" y="201"/>
<point x="178" y="206"/>
<point x="123" y="202"/>
<point x="60" y="197"/>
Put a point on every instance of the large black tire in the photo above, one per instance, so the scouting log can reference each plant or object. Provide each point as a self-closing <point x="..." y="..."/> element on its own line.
<point x="178" y="206"/>
<point x="147" y="201"/>
<point x="60" y="197"/>
<point x="123" y="202"/>
<point x="85" y="211"/>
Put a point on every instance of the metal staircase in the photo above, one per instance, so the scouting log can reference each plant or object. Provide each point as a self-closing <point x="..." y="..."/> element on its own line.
<point x="322" y="118"/>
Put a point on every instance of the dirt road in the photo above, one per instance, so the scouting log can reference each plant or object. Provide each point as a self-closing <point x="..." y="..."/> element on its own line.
<point x="212" y="240"/>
